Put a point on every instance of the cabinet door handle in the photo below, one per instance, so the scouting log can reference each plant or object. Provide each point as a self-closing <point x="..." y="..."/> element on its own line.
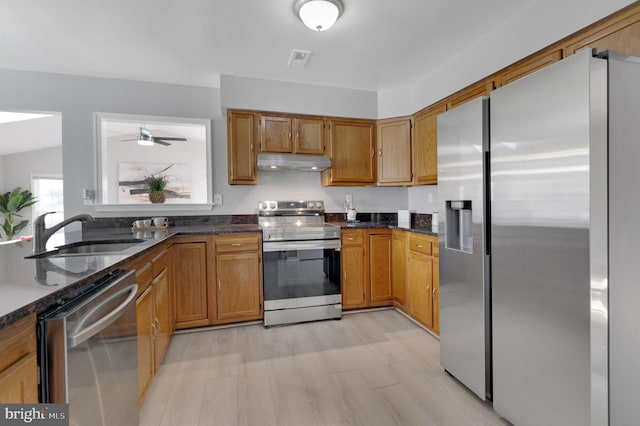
<point x="428" y="288"/>
<point x="289" y="135"/>
<point x="236" y="244"/>
<point x="373" y="152"/>
<point x="433" y="293"/>
<point x="345" y="275"/>
<point x="154" y="330"/>
<point x="350" y="238"/>
<point x="219" y="287"/>
<point x="419" y="246"/>
<point x="298" y="136"/>
<point x="380" y="152"/>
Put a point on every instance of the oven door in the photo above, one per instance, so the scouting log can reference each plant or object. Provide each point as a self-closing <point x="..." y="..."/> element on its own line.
<point x="296" y="271"/>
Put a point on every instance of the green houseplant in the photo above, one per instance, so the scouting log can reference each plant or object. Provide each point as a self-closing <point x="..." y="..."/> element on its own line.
<point x="10" y="204"/>
<point x="156" y="185"/>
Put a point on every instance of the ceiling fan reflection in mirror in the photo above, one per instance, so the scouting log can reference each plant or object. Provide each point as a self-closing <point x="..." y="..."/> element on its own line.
<point x="147" y="139"/>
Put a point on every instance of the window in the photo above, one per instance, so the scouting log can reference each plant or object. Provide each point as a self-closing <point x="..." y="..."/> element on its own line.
<point x="134" y="147"/>
<point x="48" y="191"/>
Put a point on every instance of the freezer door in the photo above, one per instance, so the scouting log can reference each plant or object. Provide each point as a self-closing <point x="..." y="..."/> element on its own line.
<point x="548" y="170"/>
<point x="624" y="291"/>
<point x="464" y="285"/>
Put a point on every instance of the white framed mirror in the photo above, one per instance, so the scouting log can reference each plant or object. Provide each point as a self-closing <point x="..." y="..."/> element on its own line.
<point x="131" y="149"/>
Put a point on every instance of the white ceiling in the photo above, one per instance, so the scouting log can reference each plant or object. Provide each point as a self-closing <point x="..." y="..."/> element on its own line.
<point x="375" y="45"/>
<point x="30" y="135"/>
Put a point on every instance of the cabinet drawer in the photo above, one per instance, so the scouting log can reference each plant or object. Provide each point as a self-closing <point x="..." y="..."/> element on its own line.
<point x="144" y="275"/>
<point x="235" y="243"/>
<point x="160" y="262"/>
<point x="420" y="244"/>
<point x="352" y="237"/>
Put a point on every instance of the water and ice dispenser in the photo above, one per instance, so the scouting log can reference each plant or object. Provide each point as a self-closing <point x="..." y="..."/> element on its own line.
<point x="458" y="225"/>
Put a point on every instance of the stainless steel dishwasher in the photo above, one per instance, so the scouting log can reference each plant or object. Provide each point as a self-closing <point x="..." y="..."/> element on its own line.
<point x="88" y="354"/>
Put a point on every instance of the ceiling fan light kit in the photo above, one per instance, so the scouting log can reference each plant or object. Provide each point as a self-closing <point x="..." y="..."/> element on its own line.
<point x="145" y="138"/>
<point x="319" y="15"/>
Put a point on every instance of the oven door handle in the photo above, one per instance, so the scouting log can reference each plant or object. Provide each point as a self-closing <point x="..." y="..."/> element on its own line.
<point x="272" y="246"/>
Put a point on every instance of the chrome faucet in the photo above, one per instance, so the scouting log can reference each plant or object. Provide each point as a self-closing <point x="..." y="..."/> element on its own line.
<point x="42" y="233"/>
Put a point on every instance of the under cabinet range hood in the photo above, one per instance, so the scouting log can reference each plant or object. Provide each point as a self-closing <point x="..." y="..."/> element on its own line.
<point x="293" y="163"/>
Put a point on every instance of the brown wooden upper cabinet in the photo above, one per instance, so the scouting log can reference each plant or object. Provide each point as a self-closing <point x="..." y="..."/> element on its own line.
<point x="527" y="66"/>
<point x="292" y="134"/>
<point x="275" y="134"/>
<point x="394" y="152"/>
<point x="241" y="154"/>
<point x="308" y="135"/>
<point x="425" y="145"/>
<point x="619" y="33"/>
<point x="352" y="146"/>
<point x="481" y="88"/>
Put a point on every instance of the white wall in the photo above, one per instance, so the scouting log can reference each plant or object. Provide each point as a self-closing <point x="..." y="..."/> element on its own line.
<point x="542" y="24"/>
<point x="16" y="170"/>
<point x="269" y="95"/>
<point x="77" y="98"/>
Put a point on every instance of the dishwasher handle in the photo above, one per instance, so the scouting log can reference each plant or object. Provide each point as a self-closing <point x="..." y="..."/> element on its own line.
<point x="81" y="333"/>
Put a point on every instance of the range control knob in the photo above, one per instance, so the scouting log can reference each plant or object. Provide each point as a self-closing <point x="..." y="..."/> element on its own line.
<point x="310" y="205"/>
<point x="273" y="205"/>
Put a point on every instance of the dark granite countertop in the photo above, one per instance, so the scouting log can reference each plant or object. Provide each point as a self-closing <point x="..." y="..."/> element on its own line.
<point x="33" y="285"/>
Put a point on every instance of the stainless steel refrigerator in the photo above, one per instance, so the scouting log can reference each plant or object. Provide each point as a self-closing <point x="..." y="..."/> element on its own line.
<point x="557" y="341"/>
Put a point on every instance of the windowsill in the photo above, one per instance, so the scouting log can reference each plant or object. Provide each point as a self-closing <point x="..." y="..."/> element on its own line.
<point x="135" y="208"/>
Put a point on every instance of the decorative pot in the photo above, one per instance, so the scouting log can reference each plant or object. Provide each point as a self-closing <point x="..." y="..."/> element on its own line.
<point x="157" y="197"/>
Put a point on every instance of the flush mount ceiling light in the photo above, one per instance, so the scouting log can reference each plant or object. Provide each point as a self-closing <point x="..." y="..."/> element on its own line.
<point x="319" y="15"/>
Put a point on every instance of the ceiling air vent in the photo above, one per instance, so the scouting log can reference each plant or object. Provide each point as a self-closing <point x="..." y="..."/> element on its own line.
<point x="299" y="58"/>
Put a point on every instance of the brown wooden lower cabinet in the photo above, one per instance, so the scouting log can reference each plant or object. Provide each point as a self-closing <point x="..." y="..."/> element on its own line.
<point x="146" y="356"/>
<point x="380" y="268"/>
<point x="162" y="317"/>
<point x="190" y="281"/>
<point x="436" y="295"/>
<point x="366" y="268"/>
<point x="238" y="279"/>
<point x="18" y="362"/>
<point x="153" y="313"/>
<point x="399" y="267"/>
<point x="419" y="285"/>
<point x="353" y="281"/>
<point x="416" y="277"/>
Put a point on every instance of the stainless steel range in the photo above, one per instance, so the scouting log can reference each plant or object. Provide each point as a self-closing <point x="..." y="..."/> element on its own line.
<point x="301" y="262"/>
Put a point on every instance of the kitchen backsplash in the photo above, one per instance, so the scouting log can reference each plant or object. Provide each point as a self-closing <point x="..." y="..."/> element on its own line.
<point x="127" y="222"/>
<point x="418" y="220"/>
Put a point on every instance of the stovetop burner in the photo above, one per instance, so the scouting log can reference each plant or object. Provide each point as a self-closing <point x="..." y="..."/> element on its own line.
<point x="294" y="220"/>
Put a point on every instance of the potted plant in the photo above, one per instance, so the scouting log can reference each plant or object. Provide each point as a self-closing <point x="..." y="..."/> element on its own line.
<point x="10" y="204"/>
<point x="156" y="185"/>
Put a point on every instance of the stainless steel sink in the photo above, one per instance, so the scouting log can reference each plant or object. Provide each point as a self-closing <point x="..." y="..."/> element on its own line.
<point x="90" y="248"/>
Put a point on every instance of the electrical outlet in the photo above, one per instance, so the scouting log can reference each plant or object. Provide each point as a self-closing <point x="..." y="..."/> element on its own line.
<point x="217" y="199"/>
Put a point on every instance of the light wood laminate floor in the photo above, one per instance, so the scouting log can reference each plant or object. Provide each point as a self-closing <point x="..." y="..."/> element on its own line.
<point x="372" y="368"/>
